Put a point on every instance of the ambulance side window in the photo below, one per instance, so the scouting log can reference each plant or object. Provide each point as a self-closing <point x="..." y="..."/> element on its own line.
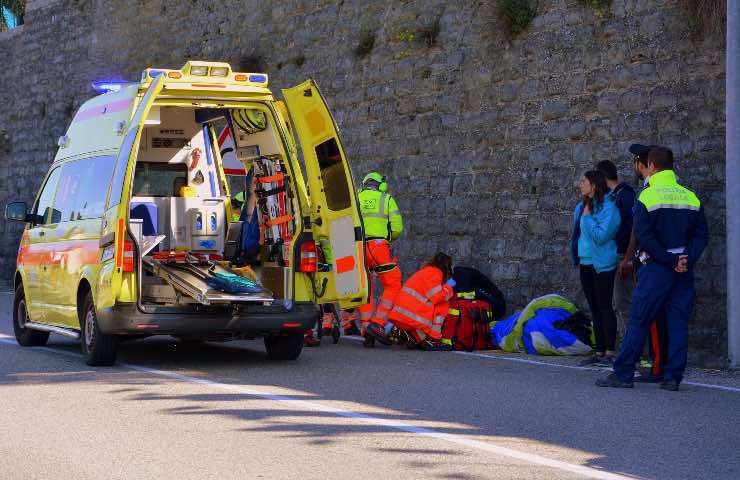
<point x="82" y="188"/>
<point x="333" y="176"/>
<point x="44" y="211"/>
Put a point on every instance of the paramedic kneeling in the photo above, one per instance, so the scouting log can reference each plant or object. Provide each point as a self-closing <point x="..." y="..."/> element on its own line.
<point x="421" y="306"/>
<point x="671" y="233"/>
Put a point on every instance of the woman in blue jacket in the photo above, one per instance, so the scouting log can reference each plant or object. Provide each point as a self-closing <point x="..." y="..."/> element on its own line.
<point x="593" y="248"/>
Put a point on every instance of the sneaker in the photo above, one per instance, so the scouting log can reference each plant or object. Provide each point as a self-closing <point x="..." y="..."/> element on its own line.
<point x="378" y="333"/>
<point x="647" y="376"/>
<point x="670" y="385"/>
<point x="592" y="360"/>
<point x="311" y="342"/>
<point x="612" y="380"/>
<point x="605" y="361"/>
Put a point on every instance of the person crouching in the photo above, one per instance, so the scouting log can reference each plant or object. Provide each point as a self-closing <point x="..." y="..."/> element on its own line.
<point x="420" y="308"/>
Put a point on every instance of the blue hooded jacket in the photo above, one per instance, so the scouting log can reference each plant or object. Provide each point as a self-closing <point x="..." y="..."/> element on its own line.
<point x="597" y="232"/>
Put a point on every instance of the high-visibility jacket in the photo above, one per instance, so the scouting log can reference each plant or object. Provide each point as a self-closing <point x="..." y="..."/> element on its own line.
<point x="416" y="302"/>
<point x="380" y="215"/>
<point x="669" y="221"/>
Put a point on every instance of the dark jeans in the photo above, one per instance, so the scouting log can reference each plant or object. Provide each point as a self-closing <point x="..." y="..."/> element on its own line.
<point x="599" y="290"/>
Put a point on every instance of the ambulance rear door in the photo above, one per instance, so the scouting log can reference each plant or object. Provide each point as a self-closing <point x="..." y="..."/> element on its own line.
<point x="335" y="220"/>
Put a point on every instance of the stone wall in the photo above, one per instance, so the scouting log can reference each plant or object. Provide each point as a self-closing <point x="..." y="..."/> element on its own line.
<point x="482" y="135"/>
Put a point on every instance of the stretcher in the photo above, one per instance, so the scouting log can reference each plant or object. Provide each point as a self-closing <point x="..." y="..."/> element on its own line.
<point x="199" y="278"/>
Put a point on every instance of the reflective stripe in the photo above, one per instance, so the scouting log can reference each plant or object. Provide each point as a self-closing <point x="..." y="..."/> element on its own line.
<point x="382" y="203"/>
<point x="417" y="296"/>
<point x="439" y="320"/>
<point x="374" y="215"/>
<point x="386" y="303"/>
<point x="394" y="212"/>
<point x="434" y="291"/>
<point x="366" y="315"/>
<point x="412" y="316"/>
<point x="382" y="314"/>
<point x="674" y="206"/>
<point x="453" y="311"/>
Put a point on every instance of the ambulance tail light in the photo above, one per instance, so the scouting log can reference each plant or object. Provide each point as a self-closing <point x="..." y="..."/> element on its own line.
<point x="128" y="256"/>
<point x="309" y="257"/>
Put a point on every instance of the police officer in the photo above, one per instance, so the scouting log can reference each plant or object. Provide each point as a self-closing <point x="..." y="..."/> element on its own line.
<point x="383" y="224"/>
<point x="671" y="233"/>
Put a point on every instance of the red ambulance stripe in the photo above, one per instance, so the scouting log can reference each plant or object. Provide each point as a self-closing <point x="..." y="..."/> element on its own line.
<point x="345" y="264"/>
<point x="656" y="368"/>
<point x="224" y="135"/>
<point x="235" y="171"/>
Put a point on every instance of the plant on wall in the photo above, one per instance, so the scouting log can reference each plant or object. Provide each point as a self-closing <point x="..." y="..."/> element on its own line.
<point x="708" y="17"/>
<point x="366" y="42"/>
<point x="597" y="3"/>
<point x="517" y="13"/>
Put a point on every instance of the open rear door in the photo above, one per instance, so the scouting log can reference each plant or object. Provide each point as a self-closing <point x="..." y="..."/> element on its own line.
<point x="335" y="219"/>
<point x="116" y="214"/>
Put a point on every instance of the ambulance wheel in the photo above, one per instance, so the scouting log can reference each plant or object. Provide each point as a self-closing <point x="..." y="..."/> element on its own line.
<point x="98" y="348"/>
<point x="284" y="347"/>
<point x="25" y="337"/>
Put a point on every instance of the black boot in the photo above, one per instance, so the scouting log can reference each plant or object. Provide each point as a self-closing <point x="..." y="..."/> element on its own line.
<point x="612" y="380"/>
<point x="377" y="332"/>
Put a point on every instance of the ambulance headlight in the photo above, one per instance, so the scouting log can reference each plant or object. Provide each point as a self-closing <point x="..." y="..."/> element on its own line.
<point x="199" y="70"/>
<point x="219" y="71"/>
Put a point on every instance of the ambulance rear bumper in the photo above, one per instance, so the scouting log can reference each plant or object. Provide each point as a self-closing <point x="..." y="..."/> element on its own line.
<point x="249" y="322"/>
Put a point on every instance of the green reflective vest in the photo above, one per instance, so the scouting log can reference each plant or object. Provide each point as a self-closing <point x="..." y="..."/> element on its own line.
<point x="380" y="215"/>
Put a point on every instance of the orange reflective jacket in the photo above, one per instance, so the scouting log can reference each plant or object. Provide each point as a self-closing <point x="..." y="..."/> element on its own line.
<point x="415" y="303"/>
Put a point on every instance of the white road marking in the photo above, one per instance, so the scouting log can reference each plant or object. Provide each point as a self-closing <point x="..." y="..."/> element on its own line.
<point x="394" y="424"/>
<point x="570" y="367"/>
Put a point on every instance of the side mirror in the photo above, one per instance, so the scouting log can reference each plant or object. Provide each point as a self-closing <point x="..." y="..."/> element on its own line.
<point x="17" y="211"/>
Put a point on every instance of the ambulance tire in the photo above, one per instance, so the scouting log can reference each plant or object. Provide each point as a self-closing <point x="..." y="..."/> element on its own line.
<point x="284" y="347"/>
<point x="98" y="348"/>
<point x="25" y="337"/>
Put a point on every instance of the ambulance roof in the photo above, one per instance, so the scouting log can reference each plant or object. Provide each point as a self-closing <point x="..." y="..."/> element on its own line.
<point x="101" y="122"/>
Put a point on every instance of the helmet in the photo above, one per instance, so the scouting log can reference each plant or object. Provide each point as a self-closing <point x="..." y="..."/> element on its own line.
<point x="377" y="177"/>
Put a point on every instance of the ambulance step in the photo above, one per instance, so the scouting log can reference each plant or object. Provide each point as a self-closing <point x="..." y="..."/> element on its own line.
<point x="66" y="332"/>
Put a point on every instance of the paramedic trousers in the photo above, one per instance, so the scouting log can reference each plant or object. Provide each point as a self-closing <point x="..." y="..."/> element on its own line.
<point x="418" y="330"/>
<point x="599" y="291"/>
<point x="658" y="287"/>
<point x="380" y="261"/>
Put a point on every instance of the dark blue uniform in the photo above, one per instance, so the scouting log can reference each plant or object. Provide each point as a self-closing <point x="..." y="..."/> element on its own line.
<point x="669" y="221"/>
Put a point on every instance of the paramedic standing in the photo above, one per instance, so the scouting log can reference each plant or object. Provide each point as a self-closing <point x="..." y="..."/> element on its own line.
<point x="383" y="224"/>
<point x="671" y="233"/>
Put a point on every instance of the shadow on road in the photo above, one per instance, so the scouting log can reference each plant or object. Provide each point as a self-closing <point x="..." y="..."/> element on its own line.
<point x="643" y="432"/>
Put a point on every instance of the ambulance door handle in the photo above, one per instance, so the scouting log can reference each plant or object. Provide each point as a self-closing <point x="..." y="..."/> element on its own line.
<point x="42" y="233"/>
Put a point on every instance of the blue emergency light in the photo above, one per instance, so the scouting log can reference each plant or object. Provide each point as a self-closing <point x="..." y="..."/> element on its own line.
<point x="257" y="78"/>
<point x="106" y="86"/>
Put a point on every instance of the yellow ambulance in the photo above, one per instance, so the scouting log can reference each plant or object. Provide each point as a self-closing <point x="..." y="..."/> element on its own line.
<point x="137" y="230"/>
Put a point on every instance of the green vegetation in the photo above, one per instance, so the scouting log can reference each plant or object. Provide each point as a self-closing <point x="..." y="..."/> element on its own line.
<point x="597" y="3"/>
<point x="708" y="17"/>
<point x="517" y="13"/>
<point x="366" y="42"/>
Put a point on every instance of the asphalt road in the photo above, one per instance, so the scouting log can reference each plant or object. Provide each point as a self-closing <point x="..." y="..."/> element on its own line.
<point x="200" y="411"/>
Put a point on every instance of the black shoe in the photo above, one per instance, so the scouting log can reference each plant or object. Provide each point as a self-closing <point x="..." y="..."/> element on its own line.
<point x="377" y="332"/>
<point x="612" y="380"/>
<point x="592" y="360"/>
<point x="369" y="342"/>
<point x="647" y="376"/>
<point x="605" y="361"/>
<point x="670" y="385"/>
